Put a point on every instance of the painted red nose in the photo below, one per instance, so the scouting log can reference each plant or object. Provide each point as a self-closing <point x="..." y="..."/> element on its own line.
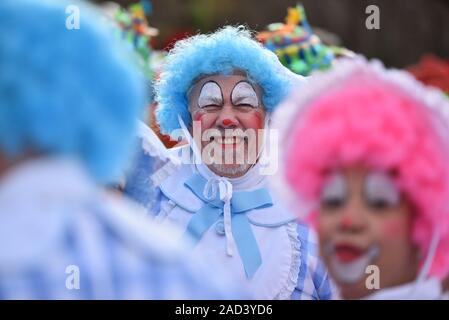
<point x="227" y="122"/>
<point x="346" y="222"/>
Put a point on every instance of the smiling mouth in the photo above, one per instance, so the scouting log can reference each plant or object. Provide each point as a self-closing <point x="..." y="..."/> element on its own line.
<point x="232" y="141"/>
<point x="347" y="253"/>
<point x="349" y="262"/>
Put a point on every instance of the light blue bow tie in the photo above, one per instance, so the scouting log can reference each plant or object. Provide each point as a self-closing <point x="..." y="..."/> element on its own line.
<point x="240" y="203"/>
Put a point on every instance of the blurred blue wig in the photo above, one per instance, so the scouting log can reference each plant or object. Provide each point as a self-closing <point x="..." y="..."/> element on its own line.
<point x="66" y="92"/>
<point x="221" y="52"/>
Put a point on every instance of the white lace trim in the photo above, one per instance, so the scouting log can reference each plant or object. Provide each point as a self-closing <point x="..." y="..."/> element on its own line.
<point x="153" y="150"/>
<point x="292" y="280"/>
<point x="151" y="144"/>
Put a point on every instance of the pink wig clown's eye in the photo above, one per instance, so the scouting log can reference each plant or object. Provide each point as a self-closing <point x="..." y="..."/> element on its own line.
<point x="376" y="125"/>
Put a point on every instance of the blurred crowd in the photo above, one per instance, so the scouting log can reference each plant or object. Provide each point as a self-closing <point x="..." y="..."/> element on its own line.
<point x="235" y="165"/>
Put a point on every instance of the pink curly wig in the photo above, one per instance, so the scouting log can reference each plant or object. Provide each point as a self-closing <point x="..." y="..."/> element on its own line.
<point x="365" y="116"/>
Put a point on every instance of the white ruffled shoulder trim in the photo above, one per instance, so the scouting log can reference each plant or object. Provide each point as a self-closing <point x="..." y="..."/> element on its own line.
<point x="292" y="280"/>
<point x="152" y="146"/>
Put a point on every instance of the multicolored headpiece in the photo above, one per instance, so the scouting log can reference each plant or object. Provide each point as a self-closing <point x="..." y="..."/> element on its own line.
<point x="135" y="29"/>
<point x="295" y="44"/>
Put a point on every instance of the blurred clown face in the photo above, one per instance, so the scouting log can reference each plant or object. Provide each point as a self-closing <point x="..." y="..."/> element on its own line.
<point x="229" y="111"/>
<point x="364" y="220"/>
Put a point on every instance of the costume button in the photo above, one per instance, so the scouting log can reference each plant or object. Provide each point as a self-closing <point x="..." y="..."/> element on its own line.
<point x="219" y="227"/>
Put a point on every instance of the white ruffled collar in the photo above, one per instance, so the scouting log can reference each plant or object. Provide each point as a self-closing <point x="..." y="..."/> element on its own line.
<point x="174" y="189"/>
<point x="278" y="275"/>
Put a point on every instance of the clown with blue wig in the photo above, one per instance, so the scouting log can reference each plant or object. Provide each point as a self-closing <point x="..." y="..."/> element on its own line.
<point x="217" y="92"/>
<point x="70" y="97"/>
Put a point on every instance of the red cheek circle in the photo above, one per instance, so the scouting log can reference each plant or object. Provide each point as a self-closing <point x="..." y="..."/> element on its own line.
<point x="207" y="120"/>
<point x="393" y="229"/>
<point x="198" y="116"/>
<point x="252" y="120"/>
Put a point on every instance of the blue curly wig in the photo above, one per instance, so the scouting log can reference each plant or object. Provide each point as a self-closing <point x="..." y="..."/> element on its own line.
<point x="218" y="53"/>
<point x="66" y="92"/>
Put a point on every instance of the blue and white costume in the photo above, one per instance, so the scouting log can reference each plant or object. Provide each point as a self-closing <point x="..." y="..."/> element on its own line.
<point x="63" y="237"/>
<point x="274" y="256"/>
<point x="236" y="223"/>
<point x="69" y="99"/>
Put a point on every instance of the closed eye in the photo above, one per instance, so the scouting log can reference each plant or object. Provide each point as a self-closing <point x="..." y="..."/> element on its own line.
<point x="244" y="93"/>
<point x="380" y="204"/>
<point x="210" y="95"/>
<point x="246" y="105"/>
<point x="211" y="103"/>
<point x="332" y="202"/>
<point x="211" y="107"/>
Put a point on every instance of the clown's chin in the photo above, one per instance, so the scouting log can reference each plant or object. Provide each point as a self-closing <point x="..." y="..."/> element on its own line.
<point x="230" y="170"/>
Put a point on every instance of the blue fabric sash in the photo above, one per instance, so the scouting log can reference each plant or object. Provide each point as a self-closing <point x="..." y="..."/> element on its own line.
<point x="241" y="202"/>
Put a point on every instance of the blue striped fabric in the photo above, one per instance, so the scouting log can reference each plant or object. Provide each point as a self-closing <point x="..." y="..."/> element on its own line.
<point x="313" y="279"/>
<point x="109" y="269"/>
<point x="114" y="260"/>
<point x="313" y="282"/>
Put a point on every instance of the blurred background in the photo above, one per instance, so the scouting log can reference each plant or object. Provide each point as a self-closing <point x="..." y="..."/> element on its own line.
<point x="306" y="35"/>
<point x="408" y="29"/>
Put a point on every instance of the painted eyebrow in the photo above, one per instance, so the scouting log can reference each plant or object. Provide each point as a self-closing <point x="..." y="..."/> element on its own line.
<point x="214" y="99"/>
<point x="338" y="180"/>
<point x="241" y="98"/>
<point x="389" y="196"/>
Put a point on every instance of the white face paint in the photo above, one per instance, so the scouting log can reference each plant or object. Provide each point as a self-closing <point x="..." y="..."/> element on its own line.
<point x="351" y="272"/>
<point x="210" y="95"/>
<point x="334" y="190"/>
<point x="380" y="189"/>
<point x="244" y="94"/>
